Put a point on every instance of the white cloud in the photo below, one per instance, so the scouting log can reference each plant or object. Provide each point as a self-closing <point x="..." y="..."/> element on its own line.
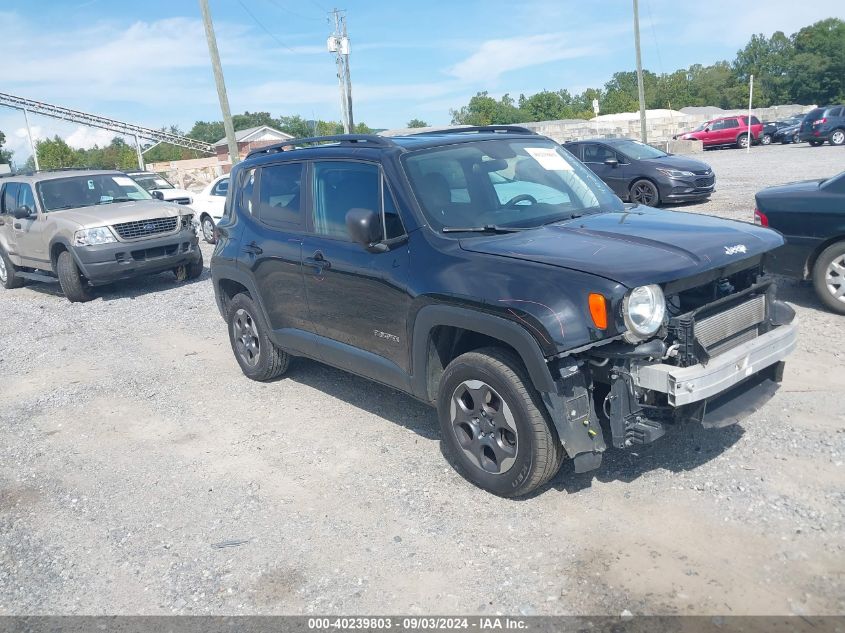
<point x="87" y="137"/>
<point x="496" y="57"/>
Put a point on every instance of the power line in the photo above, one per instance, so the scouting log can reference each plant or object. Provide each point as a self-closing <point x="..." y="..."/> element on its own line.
<point x="293" y="13"/>
<point x="264" y="28"/>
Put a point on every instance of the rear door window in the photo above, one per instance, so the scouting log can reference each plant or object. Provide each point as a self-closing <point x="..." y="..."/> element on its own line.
<point x="280" y="195"/>
<point x="835" y="112"/>
<point x="595" y="153"/>
<point x="10" y="197"/>
<point x="732" y="123"/>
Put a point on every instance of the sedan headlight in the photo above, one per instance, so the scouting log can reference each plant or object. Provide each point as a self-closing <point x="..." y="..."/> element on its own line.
<point x="643" y="310"/>
<point x="675" y="173"/>
<point x="92" y="237"/>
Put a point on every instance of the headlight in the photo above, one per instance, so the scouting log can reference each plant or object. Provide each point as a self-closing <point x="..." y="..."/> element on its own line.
<point x="186" y="220"/>
<point x="92" y="237"/>
<point x="675" y="173"/>
<point x="643" y="310"/>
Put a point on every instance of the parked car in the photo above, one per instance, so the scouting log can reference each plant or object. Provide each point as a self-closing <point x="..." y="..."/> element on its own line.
<point x="771" y="128"/>
<point x="159" y="187"/>
<point x="824" y="124"/>
<point x="726" y="131"/>
<point x="487" y="272"/>
<point x="811" y="217"/>
<point x="83" y="228"/>
<point x="640" y="173"/>
<point x="788" y="134"/>
<point x="208" y="206"/>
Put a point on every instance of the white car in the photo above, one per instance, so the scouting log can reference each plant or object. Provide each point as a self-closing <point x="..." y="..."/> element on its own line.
<point x="208" y="206"/>
<point x="159" y="187"/>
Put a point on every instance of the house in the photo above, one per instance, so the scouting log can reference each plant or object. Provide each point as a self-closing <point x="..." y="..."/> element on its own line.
<point x="248" y="140"/>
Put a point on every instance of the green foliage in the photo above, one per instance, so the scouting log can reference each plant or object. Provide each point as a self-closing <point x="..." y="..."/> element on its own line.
<point x="55" y="153"/>
<point x="806" y="67"/>
<point x="416" y="123"/>
<point x="5" y="155"/>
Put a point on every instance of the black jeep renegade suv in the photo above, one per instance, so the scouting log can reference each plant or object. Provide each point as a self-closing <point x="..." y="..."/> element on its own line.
<point x="489" y="273"/>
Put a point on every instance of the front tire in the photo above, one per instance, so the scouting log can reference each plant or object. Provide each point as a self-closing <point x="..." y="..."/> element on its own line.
<point x="186" y="272"/>
<point x="837" y="137"/>
<point x="495" y="429"/>
<point x="766" y="139"/>
<point x="829" y="277"/>
<point x="257" y="355"/>
<point x="8" y="273"/>
<point x="207" y="227"/>
<point x="70" y="279"/>
<point x="644" y="192"/>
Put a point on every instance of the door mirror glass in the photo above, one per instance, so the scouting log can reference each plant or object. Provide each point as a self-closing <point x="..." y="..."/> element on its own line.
<point x="364" y="226"/>
<point x="23" y="212"/>
<point x="611" y="162"/>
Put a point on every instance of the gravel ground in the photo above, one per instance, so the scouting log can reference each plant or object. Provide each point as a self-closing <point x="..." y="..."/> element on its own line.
<point x="141" y="473"/>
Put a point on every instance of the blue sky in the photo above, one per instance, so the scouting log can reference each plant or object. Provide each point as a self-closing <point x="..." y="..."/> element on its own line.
<point x="147" y="62"/>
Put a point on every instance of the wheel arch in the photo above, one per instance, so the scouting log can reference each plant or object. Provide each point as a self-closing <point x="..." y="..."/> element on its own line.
<point x="443" y="332"/>
<point x="814" y="256"/>
<point x="57" y="246"/>
<point x="649" y="179"/>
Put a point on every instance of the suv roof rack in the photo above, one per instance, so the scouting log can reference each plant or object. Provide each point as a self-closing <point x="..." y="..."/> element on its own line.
<point x="35" y="172"/>
<point x="341" y="139"/>
<point x="479" y="129"/>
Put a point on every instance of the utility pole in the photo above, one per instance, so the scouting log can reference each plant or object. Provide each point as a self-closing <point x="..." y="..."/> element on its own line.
<point x="338" y="43"/>
<point x="640" y="90"/>
<point x="218" y="79"/>
<point x="31" y="140"/>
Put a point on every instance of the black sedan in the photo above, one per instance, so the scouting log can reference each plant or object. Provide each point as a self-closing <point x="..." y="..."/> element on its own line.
<point x="640" y="173"/>
<point x="811" y="216"/>
<point x="788" y="134"/>
<point x="771" y="130"/>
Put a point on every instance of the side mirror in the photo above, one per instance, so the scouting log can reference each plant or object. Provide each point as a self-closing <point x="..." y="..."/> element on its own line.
<point x="611" y="162"/>
<point x="364" y="226"/>
<point x="23" y="212"/>
<point x="707" y="129"/>
<point x="158" y="195"/>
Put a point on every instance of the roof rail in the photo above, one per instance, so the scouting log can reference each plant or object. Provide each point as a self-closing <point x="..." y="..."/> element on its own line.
<point x="479" y="129"/>
<point x="33" y="172"/>
<point x="342" y="139"/>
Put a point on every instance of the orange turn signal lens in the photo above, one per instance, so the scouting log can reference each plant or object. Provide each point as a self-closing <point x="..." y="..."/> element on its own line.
<point x="598" y="310"/>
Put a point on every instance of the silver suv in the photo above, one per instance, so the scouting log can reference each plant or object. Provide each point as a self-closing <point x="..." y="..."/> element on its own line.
<point x="85" y="228"/>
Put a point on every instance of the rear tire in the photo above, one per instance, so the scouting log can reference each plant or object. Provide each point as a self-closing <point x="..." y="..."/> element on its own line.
<point x="796" y="139"/>
<point x="742" y="141"/>
<point x="495" y="429"/>
<point x="70" y="279"/>
<point x="829" y="277"/>
<point x="837" y="137"/>
<point x="257" y="355"/>
<point x="766" y="139"/>
<point x="8" y="273"/>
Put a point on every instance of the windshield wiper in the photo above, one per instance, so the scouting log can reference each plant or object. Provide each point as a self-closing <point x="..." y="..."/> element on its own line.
<point x="487" y="228"/>
<point x="115" y="200"/>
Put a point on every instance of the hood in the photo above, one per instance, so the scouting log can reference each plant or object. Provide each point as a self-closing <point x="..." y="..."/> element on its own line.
<point x="678" y="162"/>
<point x="119" y="212"/>
<point x="635" y="247"/>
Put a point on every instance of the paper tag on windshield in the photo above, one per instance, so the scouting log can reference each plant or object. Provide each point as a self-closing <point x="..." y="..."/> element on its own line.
<point x="548" y="158"/>
<point x="161" y="182"/>
<point x="123" y="181"/>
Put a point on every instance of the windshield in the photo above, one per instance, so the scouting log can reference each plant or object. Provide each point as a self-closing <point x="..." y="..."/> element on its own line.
<point x="87" y="191"/>
<point x="516" y="183"/>
<point x="151" y="182"/>
<point x="639" y="151"/>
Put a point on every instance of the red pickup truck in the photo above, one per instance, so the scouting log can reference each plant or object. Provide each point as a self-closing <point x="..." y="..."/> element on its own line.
<point x="728" y="130"/>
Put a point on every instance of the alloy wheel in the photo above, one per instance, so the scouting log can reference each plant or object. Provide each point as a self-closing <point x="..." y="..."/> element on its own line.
<point x="835" y="278"/>
<point x="484" y="426"/>
<point x="743" y="141"/>
<point x="644" y="193"/>
<point x="208" y="230"/>
<point x="4" y="274"/>
<point x="766" y="139"/>
<point x="837" y="138"/>
<point x="247" y="342"/>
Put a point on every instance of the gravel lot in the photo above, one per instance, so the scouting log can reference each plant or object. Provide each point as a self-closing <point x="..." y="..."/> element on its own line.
<point x="141" y="473"/>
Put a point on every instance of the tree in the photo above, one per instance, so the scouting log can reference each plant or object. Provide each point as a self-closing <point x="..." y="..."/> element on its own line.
<point x="485" y="110"/>
<point x="818" y="67"/>
<point x="413" y="123"/>
<point x="5" y="155"/>
<point x="55" y="153"/>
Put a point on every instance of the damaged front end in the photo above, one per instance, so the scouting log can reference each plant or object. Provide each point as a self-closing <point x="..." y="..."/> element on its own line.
<point x="717" y="358"/>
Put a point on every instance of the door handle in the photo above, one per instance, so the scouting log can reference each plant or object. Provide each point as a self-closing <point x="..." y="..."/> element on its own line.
<point x="318" y="261"/>
<point x="253" y="248"/>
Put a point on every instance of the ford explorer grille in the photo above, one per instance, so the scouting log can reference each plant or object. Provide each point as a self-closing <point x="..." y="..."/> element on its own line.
<point x="728" y="329"/>
<point x="145" y="228"/>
